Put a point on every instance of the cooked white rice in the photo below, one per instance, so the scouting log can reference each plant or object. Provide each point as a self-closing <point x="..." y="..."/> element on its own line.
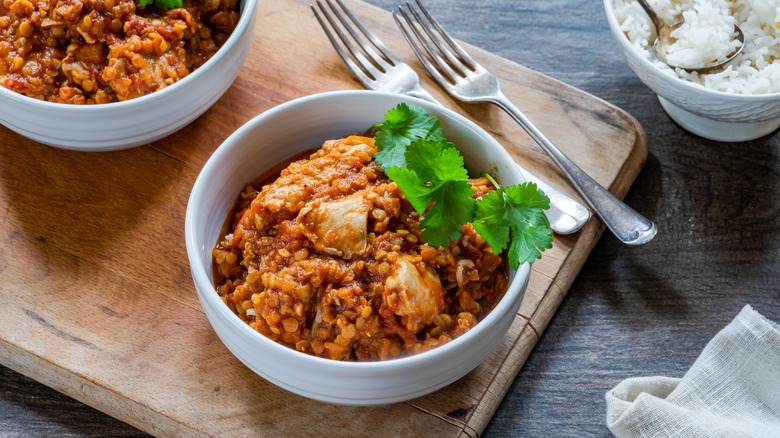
<point x="708" y="35"/>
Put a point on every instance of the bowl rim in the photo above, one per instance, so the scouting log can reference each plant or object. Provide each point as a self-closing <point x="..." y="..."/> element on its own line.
<point x="201" y="277"/>
<point x="622" y="40"/>
<point x="243" y="22"/>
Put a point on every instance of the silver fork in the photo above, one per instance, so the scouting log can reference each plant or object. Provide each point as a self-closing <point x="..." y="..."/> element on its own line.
<point x="383" y="71"/>
<point x="378" y="69"/>
<point x="465" y="79"/>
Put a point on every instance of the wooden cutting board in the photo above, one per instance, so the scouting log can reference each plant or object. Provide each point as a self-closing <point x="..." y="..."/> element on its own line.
<point x="98" y="301"/>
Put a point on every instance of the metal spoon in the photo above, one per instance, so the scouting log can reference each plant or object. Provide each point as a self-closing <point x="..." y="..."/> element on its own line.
<point x="664" y="39"/>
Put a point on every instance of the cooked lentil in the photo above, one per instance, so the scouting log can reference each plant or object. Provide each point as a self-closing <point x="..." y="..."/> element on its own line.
<point x="327" y="260"/>
<point x="100" y="51"/>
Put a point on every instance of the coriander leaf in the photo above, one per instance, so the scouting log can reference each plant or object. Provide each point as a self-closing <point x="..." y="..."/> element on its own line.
<point x="519" y="208"/>
<point x="403" y="124"/>
<point x="168" y="4"/>
<point x="453" y="207"/>
<point x="412" y="186"/>
<point x="162" y="4"/>
<point x="430" y="172"/>
<point x="490" y="220"/>
<point x="437" y="185"/>
<point x="422" y="155"/>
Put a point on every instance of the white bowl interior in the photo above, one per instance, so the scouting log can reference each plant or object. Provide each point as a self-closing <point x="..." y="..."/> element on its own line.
<point x="283" y="132"/>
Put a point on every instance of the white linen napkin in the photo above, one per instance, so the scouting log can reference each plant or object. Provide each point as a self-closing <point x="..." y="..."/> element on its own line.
<point x="732" y="390"/>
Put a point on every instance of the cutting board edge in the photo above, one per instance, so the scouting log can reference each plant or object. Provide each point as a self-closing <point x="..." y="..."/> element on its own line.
<point x="78" y="387"/>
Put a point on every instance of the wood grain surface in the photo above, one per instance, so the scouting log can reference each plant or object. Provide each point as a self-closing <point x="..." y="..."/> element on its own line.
<point x="630" y="311"/>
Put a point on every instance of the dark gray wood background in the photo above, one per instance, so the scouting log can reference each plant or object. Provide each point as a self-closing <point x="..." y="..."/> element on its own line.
<point x="632" y="311"/>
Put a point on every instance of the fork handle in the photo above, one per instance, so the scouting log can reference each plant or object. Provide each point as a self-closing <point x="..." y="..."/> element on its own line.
<point x="629" y="226"/>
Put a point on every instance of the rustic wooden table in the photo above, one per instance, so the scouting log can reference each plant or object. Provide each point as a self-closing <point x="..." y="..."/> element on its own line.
<point x="631" y="311"/>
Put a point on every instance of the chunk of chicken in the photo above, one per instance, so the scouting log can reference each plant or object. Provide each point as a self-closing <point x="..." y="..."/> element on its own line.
<point x="82" y="61"/>
<point x="417" y="297"/>
<point x="288" y="194"/>
<point x="304" y="179"/>
<point x="337" y="227"/>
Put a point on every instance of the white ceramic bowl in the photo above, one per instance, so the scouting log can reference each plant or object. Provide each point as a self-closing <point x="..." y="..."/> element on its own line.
<point x="710" y="114"/>
<point x="121" y="125"/>
<point x="283" y="132"/>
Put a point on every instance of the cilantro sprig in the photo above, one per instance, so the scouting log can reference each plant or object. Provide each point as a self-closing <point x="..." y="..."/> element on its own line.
<point x="519" y="209"/>
<point x="431" y="173"/>
<point x="403" y="124"/>
<point x="162" y="4"/>
<point x="434" y="175"/>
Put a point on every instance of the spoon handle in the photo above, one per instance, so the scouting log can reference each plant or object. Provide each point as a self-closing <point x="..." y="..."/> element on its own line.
<point x="625" y="223"/>
<point x="651" y="13"/>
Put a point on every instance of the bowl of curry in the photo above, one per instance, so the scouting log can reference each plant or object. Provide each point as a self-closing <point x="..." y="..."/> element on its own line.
<point x="98" y="75"/>
<point x="310" y="264"/>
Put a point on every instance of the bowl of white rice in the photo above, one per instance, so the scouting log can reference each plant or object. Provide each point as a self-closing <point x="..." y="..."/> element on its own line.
<point x="737" y="102"/>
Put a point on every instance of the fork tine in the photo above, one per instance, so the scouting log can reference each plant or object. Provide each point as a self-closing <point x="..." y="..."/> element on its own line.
<point x="452" y="60"/>
<point x="458" y="49"/>
<point x="360" y="71"/>
<point x="387" y="54"/>
<point x="441" y="71"/>
<point x="366" y="70"/>
<point x="356" y="69"/>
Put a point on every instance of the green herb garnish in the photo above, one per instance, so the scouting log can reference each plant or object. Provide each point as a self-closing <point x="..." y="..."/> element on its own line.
<point x="434" y="176"/>
<point x="403" y="124"/>
<point x="430" y="172"/>
<point x="162" y="4"/>
<point x="519" y="208"/>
